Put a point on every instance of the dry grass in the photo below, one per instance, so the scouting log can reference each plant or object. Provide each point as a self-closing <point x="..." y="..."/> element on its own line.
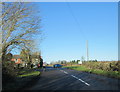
<point x="107" y="66"/>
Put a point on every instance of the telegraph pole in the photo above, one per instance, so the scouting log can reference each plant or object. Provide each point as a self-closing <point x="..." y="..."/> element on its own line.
<point x="87" y="51"/>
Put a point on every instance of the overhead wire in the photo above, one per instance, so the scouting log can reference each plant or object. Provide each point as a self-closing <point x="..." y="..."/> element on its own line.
<point x="75" y="19"/>
<point x="77" y="22"/>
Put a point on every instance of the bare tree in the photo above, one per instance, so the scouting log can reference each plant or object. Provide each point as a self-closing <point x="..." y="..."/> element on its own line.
<point x="19" y="26"/>
<point x="25" y="55"/>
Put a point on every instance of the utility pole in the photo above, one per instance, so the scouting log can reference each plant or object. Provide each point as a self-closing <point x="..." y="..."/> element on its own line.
<point x="87" y="51"/>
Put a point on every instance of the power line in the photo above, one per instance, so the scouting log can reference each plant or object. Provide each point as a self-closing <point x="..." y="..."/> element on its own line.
<point x="75" y="19"/>
<point x="78" y="25"/>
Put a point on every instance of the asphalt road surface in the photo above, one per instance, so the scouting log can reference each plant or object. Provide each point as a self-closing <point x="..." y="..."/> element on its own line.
<point x="67" y="79"/>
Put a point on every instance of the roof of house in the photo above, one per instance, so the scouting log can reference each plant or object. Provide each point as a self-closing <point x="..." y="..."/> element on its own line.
<point x="16" y="56"/>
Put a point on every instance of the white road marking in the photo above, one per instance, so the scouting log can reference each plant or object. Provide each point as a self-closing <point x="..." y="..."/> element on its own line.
<point x="64" y="71"/>
<point x="81" y="80"/>
<point x="76" y="78"/>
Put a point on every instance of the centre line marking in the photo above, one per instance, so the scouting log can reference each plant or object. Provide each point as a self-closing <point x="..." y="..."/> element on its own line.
<point x="81" y="80"/>
<point x="64" y="71"/>
<point x="76" y="78"/>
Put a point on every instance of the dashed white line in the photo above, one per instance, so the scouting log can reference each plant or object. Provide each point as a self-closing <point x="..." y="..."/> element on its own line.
<point x="64" y="71"/>
<point x="81" y="80"/>
<point x="76" y="78"/>
<point x="61" y="70"/>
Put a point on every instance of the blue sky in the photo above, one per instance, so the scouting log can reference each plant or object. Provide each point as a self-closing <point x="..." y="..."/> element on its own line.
<point x="67" y="26"/>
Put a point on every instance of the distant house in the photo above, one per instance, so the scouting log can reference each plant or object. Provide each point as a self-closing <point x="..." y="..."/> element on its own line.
<point x="17" y="59"/>
<point x="35" y="59"/>
<point x="80" y="62"/>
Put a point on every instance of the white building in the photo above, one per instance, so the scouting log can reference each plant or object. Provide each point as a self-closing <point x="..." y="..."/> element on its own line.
<point x="80" y="62"/>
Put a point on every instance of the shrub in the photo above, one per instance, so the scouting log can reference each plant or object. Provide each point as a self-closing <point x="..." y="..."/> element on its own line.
<point x="115" y="66"/>
<point x="106" y="66"/>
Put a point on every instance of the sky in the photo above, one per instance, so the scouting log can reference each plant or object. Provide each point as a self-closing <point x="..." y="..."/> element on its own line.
<point x="67" y="26"/>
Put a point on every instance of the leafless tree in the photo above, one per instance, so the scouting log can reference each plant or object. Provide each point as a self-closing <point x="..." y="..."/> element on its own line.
<point x="20" y="24"/>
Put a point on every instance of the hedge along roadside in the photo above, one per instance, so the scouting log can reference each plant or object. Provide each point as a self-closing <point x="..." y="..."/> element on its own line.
<point x="110" y="69"/>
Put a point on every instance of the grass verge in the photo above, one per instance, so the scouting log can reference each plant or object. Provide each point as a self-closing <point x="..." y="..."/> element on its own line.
<point x="113" y="74"/>
<point x="30" y="73"/>
<point x="22" y="80"/>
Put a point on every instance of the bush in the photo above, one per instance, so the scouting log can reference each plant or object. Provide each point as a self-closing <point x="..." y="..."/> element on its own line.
<point x="109" y="66"/>
<point x="115" y="66"/>
<point x="8" y="72"/>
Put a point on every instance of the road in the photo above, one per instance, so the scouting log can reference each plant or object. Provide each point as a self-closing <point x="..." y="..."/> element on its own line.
<point x="67" y="79"/>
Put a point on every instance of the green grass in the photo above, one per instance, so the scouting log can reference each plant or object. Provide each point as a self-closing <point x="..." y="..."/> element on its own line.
<point x="23" y="78"/>
<point x="81" y="68"/>
<point x="28" y="73"/>
<point x="22" y="71"/>
<point x="114" y="74"/>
